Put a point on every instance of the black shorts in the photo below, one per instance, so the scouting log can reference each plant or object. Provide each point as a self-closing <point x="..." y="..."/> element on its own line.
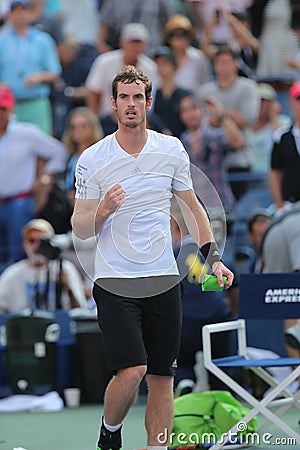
<point x="140" y="331"/>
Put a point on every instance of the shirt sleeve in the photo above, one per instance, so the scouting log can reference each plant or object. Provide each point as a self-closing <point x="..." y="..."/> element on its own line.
<point x="182" y="180"/>
<point x="51" y="149"/>
<point x="9" y="301"/>
<point x="96" y="78"/>
<point x="294" y="246"/>
<point x="51" y="61"/>
<point x="249" y="107"/>
<point x="86" y="183"/>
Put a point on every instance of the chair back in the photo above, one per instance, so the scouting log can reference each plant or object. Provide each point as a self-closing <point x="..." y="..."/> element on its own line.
<point x="269" y="296"/>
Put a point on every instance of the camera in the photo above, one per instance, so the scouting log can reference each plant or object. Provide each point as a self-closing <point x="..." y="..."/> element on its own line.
<point x="48" y="250"/>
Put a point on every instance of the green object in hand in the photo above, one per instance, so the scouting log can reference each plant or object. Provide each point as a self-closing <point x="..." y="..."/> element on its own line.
<point x="210" y="283"/>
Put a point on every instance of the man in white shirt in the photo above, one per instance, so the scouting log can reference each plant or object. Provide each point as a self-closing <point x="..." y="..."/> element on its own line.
<point x="239" y="98"/>
<point x="125" y="183"/>
<point x="29" y="160"/>
<point x="134" y="39"/>
<point x="39" y="281"/>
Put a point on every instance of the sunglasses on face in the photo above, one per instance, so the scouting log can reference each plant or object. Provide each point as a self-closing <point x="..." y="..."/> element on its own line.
<point x="33" y="240"/>
<point x="179" y="34"/>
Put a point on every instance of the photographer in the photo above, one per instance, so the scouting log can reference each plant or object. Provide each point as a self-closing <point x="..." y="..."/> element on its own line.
<point x="44" y="280"/>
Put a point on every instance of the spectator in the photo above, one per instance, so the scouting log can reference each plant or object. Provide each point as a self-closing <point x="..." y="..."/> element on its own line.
<point x="115" y="14"/>
<point x="192" y="66"/>
<point x="134" y="39"/>
<point x="257" y="225"/>
<point x="243" y="42"/>
<point x="82" y="131"/>
<point x="271" y="20"/>
<point x="206" y="11"/>
<point x="268" y="121"/>
<point x="240" y="101"/>
<point x="81" y="20"/>
<point x="29" y="67"/>
<point x="207" y="140"/>
<point x="45" y="22"/>
<point x="55" y="206"/>
<point x="70" y="90"/>
<point x="168" y="95"/>
<point x="198" y="308"/>
<point x="294" y="63"/>
<point x="285" y="160"/>
<point x="23" y="181"/>
<point x="39" y="281"/>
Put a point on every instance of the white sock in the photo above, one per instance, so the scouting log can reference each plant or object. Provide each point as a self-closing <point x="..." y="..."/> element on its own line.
<point x="155" y="447"/>
<point x="111" y="428"/>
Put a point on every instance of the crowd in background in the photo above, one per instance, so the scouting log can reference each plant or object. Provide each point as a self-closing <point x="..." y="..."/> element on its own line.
<point x="222" y="72"/>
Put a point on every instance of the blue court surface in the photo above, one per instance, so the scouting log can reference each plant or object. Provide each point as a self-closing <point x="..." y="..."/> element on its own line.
<point x="77" y="429"/>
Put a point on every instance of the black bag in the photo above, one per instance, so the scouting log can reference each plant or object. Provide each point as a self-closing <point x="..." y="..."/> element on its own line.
<point x="31" y="353"/>
<point x="57" y="210"/>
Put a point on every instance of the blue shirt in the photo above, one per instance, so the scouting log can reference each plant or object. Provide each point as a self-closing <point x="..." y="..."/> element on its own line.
<point x="21" y="56"/>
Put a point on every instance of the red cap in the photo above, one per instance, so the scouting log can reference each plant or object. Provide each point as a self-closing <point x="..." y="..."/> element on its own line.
<point x="295" y="90"/>
<point x="7" y="100"/>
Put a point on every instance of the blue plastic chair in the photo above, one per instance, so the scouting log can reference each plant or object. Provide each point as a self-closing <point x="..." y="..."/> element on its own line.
<point x="264" y="296"/>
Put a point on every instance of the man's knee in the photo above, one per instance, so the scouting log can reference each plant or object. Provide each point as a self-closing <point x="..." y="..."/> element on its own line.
<point x="132" y="375"/>
<point x="160" y="381"/>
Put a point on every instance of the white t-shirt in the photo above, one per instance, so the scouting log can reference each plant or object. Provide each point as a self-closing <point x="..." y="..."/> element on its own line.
<point x="18" y="280"/>
<point x="242" y="95"/>
<point x="135" y="241"/>
<point x="105" y="68"/>
<point x="81" y="21"/>
<point x="193" y="71"/>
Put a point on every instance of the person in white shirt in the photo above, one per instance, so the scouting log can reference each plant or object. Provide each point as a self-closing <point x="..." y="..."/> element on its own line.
<point x="29" y="161"/>
<point x="39" y="281"/>
<point x="133" y="42"/>
<point x="124" y="186"/>
<point x="193" y="68"/>
<point x="240" y="100"/>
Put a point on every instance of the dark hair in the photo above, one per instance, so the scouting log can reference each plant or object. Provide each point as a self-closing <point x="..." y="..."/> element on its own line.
<point x="258" y="217"/>
<point x="195" y="100"/>
<point x="128" y="75"/>
<point x="257" y="10"/>
<point x="225" y="50"/>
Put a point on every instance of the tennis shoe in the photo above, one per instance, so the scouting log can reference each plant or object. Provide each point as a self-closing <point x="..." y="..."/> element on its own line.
<point x="109" y="440"/>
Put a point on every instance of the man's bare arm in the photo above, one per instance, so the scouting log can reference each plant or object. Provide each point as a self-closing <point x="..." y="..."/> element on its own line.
<point x="199" y="227"/>
<point x="275" y="182"/>
<point x="89" y="216"/>
<point x="195" y="217"/>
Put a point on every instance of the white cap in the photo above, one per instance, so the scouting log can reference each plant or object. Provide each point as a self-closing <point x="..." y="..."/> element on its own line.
<point x="135" y="32"/>
<point x="39" y="225"/>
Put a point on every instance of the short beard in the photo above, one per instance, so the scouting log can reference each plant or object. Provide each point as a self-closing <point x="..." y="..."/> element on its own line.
<point x="131" y="125"/>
